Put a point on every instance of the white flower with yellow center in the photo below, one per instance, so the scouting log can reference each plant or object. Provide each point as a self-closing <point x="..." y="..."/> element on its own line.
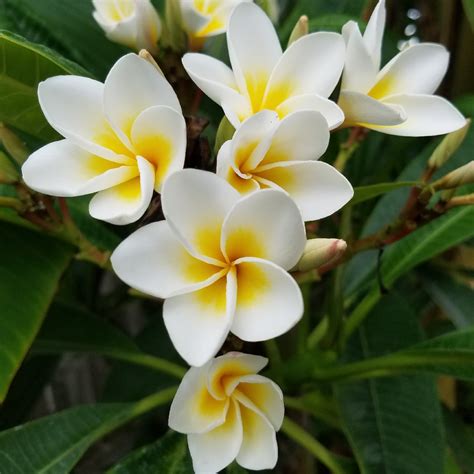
<point x="229" y="412"/>
<point x="133" y="23"/>
<point x="268" y="153"/>
<point x="122" y="139"/>
<point x="219" y="260"/>
<point x="398" y="99"/>
<point x="203" y="18"/>
<point x="263" y="77"/>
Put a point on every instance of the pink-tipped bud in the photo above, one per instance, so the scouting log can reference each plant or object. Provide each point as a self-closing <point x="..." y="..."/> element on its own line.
<point x="319" y="252"/>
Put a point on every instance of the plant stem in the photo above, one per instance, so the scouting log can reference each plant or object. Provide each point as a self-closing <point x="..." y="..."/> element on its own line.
<point x="12" y="203"/>
<point x="303" y="438"/>
<point x="318" y="333"/>
<point x="273" y="353"/>
<point x="317" y="405"/>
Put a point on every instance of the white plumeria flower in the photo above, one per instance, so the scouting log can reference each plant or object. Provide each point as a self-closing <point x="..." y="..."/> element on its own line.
<point x="133" y="23"/>
<point x="262" y="77"/>
<point x="122" y="139"/>
<point x="229" y="412"/>
<point x="268" y="153"/>
<point x="219" y="260"/>
<point x="398" y="99"/>
<point x="203" y="18"/>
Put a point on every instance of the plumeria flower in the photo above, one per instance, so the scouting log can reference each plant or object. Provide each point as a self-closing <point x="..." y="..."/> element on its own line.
<point x="262" y="77"/>
<point x="203" y="18"/>
<point x="133" y="23"/>
<point x="219" y="261"/>
<point x="122" y="139"/>
<point x="268" y="153"/>
<point x="398" y="98"/>
<point x="229" y="412"/>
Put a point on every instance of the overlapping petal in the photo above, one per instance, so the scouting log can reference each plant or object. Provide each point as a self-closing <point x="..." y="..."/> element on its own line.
<point x="373" y="33"/>
<point x="251" y="230"/>
<point x="198" y="322"/>
<point x="269" y="301"/>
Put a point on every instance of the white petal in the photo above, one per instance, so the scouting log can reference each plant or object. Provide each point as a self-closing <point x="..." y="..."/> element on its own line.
<point x="123" y="31"/>
<point x="318" y="189"/>
<point x="193" y="20"/>
<point x="252" y="140"/>
<point x="254" y="50"/>
<point x="302" y="135"/>
<point x="159" y="135"/>
<point x="269" y="301"/>
<point x="149" y="26"/>
<point x="63" y="169"/>
<point x="154" y="261"/>
<point x="265" y="395"/>
<point x="427" y="115"/>
<point x="127" y="202"/>
<point x="361" y="109"/>
<point x="251" y="230"/>
<point x="226" y="171"/>
<point x="132" y="86"/>
<point x="193" y="409"/>
<point x="330" y="111"/>
<point x="259" y="447"/>
<point x="418" y="69"/>
<point x="213" y="451"/>
<point x="217" y="81"/>
<point x="373" y="34"/>
<point x="359" y="70"/>
<point x="195" y="203"/>
<point x="73" y="106"/>
<point x="198" y="322"/>
<point x="225" y="370"/>
<point x="311" y="65"/>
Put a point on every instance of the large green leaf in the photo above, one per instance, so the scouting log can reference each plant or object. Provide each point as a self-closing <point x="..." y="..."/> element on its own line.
<point x="460" y="438"/>
<point x="30" y="269"/>
<point x="69" y="329"/>
<point x="364" y="193"/>
<point x="168" y="455"/>
<point x="394" y="424"/>
<point x="54" y="444"/>
<point x="23" y="66"/>
<point x="70" y="23"/>
<point x="455" y="299"/>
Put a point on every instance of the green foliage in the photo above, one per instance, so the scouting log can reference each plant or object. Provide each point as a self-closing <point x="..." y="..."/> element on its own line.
<point x="31" y="266"/>
<point x="365" y="193"/>
<point x="394" y="424"/>
<point x="24" y="66"/>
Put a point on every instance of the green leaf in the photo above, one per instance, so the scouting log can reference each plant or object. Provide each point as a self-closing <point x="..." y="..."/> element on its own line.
<point x="70" y="23"/>
<point x="54" y="444"/>
<point x="364" y="193"/>
<point x="168" y="455"/>
<point x="469" y="10"/>
<point x="455" y="299"/>
<point x="31" y="266"/>
<point x="460" y="439"/>
<point x="70" y="329"/>
<point x="394" y="424"/>
<point x="23" y="66"/>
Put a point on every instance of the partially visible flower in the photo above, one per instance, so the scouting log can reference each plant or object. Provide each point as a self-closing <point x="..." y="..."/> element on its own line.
<point x="122" y="139"/>
<point x="203" y="18"/>
<point x="229" y="412"/>
<point x="133" y="23"/>
<point x="263" y="77"/>
<point x="398" y="99"/>
<point x="219" y="261"/>
<point x="268" y="153"/>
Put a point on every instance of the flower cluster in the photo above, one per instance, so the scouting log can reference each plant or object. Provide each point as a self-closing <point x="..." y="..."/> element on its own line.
<point x="221" y="258"/>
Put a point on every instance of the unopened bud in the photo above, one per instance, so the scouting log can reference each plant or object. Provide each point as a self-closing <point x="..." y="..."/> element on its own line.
<point x="144" y="54"/>
<point x="174" y="35"/>
<point x="14" y="146"/>
<point x="8" y="173"/>
<point x="225" y="132"/>
<point x="320" y="252"/>
<point x="448" y="146"/>
<point x="458" y="177"/>
<point x="301" y="29"/>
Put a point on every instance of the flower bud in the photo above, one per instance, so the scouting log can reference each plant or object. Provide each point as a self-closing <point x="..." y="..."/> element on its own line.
<point x="134" y="24"/>
<point x="144" y="54"/>
<point x="319" y="252"/>
<point x="174" y="36"/>
<point x="14" y="146"/>
<point x="458" y="177"/>
<point x="8" y="173"/>
<point x="224" y="132"/>
<point x="301" y="29"/>
<point x="448" y="147"/>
